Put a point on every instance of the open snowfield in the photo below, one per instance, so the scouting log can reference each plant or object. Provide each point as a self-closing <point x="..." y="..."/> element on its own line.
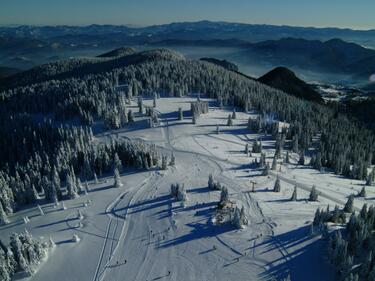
<point x="139" y="232"/>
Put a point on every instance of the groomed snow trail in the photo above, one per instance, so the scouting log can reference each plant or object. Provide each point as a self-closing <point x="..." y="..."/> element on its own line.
<point x="163" y="240"/>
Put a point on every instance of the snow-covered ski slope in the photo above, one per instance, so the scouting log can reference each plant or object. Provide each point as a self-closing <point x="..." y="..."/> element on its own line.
<point x="138" y="232"/>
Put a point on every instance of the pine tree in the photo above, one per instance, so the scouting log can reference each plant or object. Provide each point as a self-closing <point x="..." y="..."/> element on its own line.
<point x="117" y="179"/>
<point x="370" y="178"/>
<point x="301" y="160"/>
<point x="35" y="194"/>
<point x="287" y="160"/>
<point x="234" y="115"/>
<point x="130" y="116"/>
<point x="154" y="100"/>
<point x="363" y="192"/>
<point x="295" y="145"/>
<point x="230" y="121"/>
<point x="3" y="216"/>
<point x="87" y="189"/>
<point x="266" y="170"/>
<point x="274" y="164"/>
<point x="211" y="182"/>
<point x="247" y="149"/>
<point x="180" y="114"/>
<point x="318" y="161"/>
<point x="51" y="243"/>
<point x="294" y="195"/>
<point x="117" y="164"/>
<point x="71" y="186"/>
<point x="277" y="186"/>
<point x="243" y="217"/>
<point x="173" y="160"/>
<point x="56" y="183"/>
<point x="140" y="104"/>
<point x="349" y="205"/>
<point x="224" y="197"/>
<point x="313" y="194"/>
<point x="79" y="186"/>
<point x="164" y="162"/>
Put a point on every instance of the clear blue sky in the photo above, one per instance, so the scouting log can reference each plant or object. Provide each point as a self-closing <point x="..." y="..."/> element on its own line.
<point x="357" y="14"/>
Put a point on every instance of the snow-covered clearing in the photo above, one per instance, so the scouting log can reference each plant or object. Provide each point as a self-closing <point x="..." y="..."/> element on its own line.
<point x="139" y="232"/>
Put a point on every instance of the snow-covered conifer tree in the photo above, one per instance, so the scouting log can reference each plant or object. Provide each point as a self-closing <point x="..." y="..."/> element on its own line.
<point x="3" y="216"/>
<point x="277" y="186"/>
<point x="274" y="164"/>
<point x="234" y="115"/>
<point x="313" y="194"/>
<point x="211" y="182"/>
<point x="224" y="197"/>
<point x="140" y="104"/>
<point x="180" y="114"/>
<point x="266" y="170"/>
<point x="96" y="179"/>
<point x="173" y="160"/>
<point x="294" y="195"/>
<point x="164" y="162"/>
<point x="71" y="186"/>
<point x="301" y="160"/>
<point x="349" y="205"/>
<point x="363" y="192"/>
<point x="130" y="116"/>
<point x="154" y="100"/>
<point x="117" y="164"/>
<point x="230" y="121"/>
<point x="117" y="179"/>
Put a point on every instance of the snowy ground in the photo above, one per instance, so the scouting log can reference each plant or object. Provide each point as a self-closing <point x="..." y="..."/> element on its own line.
<point x="138" y="232"/>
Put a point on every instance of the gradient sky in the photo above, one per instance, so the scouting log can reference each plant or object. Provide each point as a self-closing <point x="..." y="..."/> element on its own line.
<point x="356" y="14"/>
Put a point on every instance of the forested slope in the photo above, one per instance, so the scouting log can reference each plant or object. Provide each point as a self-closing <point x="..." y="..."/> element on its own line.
<point x="33" y="150"/>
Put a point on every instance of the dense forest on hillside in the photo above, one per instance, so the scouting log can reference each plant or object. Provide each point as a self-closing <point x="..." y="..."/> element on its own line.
<point x="36" y="153"/>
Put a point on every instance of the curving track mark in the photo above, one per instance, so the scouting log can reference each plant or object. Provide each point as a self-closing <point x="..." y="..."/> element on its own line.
<point x="102" y="252"/>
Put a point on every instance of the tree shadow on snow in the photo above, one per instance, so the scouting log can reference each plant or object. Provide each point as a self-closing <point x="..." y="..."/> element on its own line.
<point x="306" y="262"/>
<point x="146" y="205"/>
<point x="198" y="231"/>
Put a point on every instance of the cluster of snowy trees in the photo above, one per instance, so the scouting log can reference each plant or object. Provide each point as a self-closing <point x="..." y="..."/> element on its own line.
<point x="344" y="145"/>
<point x="178" y="191"/>
<point x="42" y="159"/>
<point x="227" y="213"/>
<point x="32" y="145"/>
<point x="22" y="255"/>
<point x="199" y="107"/>
<point x="350" y="249"/>
<point x="352" y="253"/>
<point x="212" y="184"/>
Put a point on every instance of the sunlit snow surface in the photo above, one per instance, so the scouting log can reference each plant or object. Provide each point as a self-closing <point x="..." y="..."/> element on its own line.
<point x="137" y="232"/>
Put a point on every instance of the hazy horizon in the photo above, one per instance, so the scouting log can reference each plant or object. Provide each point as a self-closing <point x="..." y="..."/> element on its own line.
<point x="336" y="14"/>
<point x="192" y="21"/>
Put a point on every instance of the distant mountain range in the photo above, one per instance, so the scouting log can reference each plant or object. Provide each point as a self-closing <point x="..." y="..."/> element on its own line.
<point x="202" y="30"/>
<point x="311" y="49"/>
<point x="335" y="56"/>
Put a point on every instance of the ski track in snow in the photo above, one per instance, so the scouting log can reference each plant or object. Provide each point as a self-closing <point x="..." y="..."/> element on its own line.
<point x="145" y="233"/>
<point x="112" y="215"/>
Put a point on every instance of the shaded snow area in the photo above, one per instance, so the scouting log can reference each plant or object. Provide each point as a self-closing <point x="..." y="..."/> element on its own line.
<point x="140" y="232"/>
